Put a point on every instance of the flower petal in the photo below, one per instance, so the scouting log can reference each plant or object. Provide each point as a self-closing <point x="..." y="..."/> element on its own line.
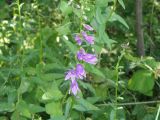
<point x="74" y="87"/>
<point x="80" y="72"/>
<point x="78" y="39"/>
<point x="80" y="54"/>
<point x="88" y="27"/>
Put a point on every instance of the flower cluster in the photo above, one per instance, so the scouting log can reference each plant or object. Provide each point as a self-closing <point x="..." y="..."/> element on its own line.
<point x="79" y="72"/>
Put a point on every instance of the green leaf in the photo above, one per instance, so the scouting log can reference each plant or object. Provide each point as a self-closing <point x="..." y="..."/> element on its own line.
<point x="101" y="3"/>
<point x="120" y="114"/>
<point x="54" y="109"/>
<point x="139" y="111"/>
<point x="101" y="19"/>
<point x="87" y="86"/>
<point x="83" y="105"/>
<point x="49" y="76"/>
<point x="102" y="87"/>
<point x="68" y="107"/>
<point x="142" y="81"/>
<point x="94" y="70"/>
<point x="7" y="107"/>
<point x="121" y="3"/>
<point x="53" y="66"/>
<point x="16" y="116"/>
<point x="52" y="94"/>
<point x="103" y="37"/>
<point x="58" y="118"/>
<point x="24" y="86"/>
<point x="71" y="46"/>
<point x="65" y="8"/>
<point x="36" y="108"/>
<point x="93" y="100"/>
<point x="77" y="12"/>
<point x="64" y="29"/>
<point x="116" y="17"/>
<point x="23" y="109"/>
<point x="3" y="118"/>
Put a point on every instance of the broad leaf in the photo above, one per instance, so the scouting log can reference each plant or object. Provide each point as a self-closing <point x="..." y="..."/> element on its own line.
<point x="142" y="81"/>
<point x="54" y="109"/>
<point x="83" y="105"/>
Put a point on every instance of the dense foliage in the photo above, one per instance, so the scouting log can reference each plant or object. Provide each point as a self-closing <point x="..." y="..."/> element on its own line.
<point x="37" y="47"/>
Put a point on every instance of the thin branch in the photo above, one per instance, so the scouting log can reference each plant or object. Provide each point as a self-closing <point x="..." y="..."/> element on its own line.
<point x="130" y="103"/>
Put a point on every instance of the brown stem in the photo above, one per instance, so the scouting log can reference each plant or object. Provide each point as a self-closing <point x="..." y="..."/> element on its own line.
<point x="139" y="30"/>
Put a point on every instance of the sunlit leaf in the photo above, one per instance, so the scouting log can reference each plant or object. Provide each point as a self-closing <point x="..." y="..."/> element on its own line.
<point x="142" y="81"/>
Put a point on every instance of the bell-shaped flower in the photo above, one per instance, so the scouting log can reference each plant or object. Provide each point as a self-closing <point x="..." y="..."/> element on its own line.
<point x="80" y="72"/>
<point x="88" y="38"/>
<point x="80" y="54"/>
<point x="89" y="58"/>
<point x="74" y="87"/>
<point x="88" y="27"/>
<point x="70" y="75"/>
<point x="78" y="39"/>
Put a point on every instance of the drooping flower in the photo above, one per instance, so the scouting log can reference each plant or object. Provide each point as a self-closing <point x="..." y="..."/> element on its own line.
<point x="88" y="27"/>
<point x="75" y="74"/>
<point x="80" y="71"/>
<point x="89" y="58"/>
<point x="78" y="39"/>
<point x="71" y="75"/>
<point x="88" y="38"/>
<point x="74" y="87"/>
<point x="80" y="54"/>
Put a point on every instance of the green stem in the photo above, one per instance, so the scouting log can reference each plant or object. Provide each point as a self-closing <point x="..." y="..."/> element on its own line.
<point x="112" y="11"/>
<point x="41" y="44"/>
<point x="157" y="116"/>
<point x="21" y="51"/>
<point x="117" y="78"/>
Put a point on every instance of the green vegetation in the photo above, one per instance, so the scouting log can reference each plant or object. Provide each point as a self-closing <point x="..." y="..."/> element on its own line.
<point x="37" y="48"/>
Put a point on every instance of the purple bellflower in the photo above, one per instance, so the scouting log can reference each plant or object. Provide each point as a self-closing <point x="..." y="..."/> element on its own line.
<point x="88" y="38"/>
<point x="78" y="39"/>
<point x="88" y="27"/>
<point x="89" y="58"/>
<point x="74" y="75"/>
<point x="71" y="74"/>
<point x="80" y="54"/>
<point x="74" y="87"/>
<point x="80" y="71"/>
<point x="77" y="73"/>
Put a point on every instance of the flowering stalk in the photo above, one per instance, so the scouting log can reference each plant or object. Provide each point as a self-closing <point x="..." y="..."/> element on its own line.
<point x="79" y="72"/>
